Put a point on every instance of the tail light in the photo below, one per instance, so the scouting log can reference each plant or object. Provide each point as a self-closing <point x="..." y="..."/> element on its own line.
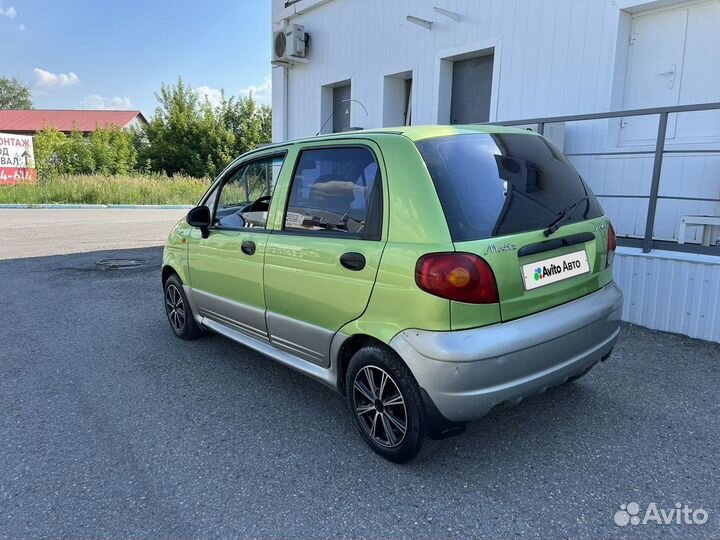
<point x="612" y="245"/>
<point x="457" y="276"/>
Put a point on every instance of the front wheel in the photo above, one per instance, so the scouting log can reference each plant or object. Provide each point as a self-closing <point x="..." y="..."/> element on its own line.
<point x="177" y="309"/>
<point x="385" y="402"/>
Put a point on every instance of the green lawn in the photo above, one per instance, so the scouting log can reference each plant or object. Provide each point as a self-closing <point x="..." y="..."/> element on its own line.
<point x="96" y="189"/>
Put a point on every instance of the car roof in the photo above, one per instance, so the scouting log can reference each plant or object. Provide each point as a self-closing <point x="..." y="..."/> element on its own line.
<point x="414" y="133"/>
<point x="418" y="133"/>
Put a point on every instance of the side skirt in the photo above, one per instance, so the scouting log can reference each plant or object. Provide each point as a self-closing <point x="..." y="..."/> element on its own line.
<point x="327" y="376"/>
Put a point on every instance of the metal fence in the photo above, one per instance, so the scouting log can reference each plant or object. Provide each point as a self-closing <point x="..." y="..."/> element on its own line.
<point x="648" y="242"/>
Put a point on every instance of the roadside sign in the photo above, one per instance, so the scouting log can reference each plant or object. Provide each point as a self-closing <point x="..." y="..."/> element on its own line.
<point x="17" y="159"/>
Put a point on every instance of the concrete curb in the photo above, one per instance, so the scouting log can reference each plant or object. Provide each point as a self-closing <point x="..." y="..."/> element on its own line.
<point x="151" y="206"/>
<point x="100" y="206"/>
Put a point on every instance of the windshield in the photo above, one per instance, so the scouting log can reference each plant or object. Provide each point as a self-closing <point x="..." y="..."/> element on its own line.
<point x="498" y="184"/>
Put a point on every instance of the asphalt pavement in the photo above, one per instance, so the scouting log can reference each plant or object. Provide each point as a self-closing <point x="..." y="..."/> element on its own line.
<point x="37" y="232"/>
<point x="112" y="427"/>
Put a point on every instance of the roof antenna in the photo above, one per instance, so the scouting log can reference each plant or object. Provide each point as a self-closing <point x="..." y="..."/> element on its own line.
<point x="335" y="109"/>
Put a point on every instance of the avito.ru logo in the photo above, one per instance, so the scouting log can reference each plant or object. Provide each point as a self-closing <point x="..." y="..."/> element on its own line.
<point x="554" y="269"/>
<point x="630" y="514"/>
<point x="546" y="271"/>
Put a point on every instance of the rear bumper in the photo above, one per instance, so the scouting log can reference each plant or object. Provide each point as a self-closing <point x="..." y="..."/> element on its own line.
<point x="466" y="373"/>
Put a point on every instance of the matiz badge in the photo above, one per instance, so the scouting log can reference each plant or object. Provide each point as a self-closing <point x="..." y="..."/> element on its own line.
<point x="494" y="248"/>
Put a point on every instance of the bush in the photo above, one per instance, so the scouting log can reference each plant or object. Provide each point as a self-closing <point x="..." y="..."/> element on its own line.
<point x="113" y="150"/>
<point x="106" y="151"/>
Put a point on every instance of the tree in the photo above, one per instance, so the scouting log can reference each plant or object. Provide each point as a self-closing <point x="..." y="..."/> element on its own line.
<point x="185" y="136"/>
<point x="14" y="94"/>
<point x="265" y="118"/>
<point x="252" y="125"/>
<point x="188" y="135"/>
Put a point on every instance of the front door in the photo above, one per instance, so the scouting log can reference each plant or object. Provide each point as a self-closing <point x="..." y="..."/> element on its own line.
<point x="227" y="267"/>
<point x="320" y="267"/>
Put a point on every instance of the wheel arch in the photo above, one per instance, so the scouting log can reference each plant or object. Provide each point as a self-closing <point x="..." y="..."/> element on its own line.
<point x="172" y="265"/>
<point x="168" y="271"/>
<point x="439" y="427"/>
<point x="347" y="350"/>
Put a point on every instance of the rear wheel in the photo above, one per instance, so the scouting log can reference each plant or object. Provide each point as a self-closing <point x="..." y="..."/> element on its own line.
<point x="385" y="402"/>
<point x="177" y="309"/>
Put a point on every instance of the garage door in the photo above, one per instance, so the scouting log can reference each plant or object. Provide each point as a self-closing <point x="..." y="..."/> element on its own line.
<point x="471" y="90"/>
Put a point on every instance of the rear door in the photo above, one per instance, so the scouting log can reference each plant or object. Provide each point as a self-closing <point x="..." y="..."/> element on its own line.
<point x="499" y="193"/>
<point x="320" y="266"/>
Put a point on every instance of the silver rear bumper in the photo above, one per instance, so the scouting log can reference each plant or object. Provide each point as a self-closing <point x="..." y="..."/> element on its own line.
<point x="466" y="373"/>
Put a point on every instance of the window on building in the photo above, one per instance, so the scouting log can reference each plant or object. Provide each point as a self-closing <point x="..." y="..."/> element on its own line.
<point x="397" y="99"/>
<point x="471" y="89"/>
<point x="336" y="190"/>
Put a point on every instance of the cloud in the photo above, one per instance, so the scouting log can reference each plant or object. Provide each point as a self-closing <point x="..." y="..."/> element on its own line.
<point x="212" y="94"/>
<point x="46" y="79"/>
<point x="262" y="93"/>
<point x="8" y="12"/>
<point x="97" y="101"/>
<point x="22" y="27"/>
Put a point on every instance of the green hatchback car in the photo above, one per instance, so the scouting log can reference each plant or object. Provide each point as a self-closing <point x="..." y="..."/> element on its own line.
<point x="426" y="274"/>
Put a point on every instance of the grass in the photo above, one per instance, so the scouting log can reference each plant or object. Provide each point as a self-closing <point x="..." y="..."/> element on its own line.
<point x="97" y="189"/>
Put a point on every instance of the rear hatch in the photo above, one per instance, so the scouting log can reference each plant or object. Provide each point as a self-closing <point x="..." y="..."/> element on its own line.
<point x="500" y="193"/>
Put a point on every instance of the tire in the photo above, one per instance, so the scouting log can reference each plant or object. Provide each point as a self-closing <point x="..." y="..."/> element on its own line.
<point x="375" y="371"/>
<point x="178" y="311"/>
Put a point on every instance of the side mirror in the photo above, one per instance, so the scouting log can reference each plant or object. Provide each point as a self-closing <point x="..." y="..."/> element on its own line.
<point x="200" y="217"/>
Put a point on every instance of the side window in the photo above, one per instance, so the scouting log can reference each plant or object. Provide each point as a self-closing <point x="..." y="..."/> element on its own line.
<point x="336" y="190"/>
<point x="210" y="199"/>
<point x="244" y="198"/>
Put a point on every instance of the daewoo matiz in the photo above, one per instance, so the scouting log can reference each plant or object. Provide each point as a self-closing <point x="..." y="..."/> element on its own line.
<point x="427" y="274"/>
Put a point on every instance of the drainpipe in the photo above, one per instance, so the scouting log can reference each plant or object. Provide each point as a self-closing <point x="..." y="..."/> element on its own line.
<point x="286" y="74"/>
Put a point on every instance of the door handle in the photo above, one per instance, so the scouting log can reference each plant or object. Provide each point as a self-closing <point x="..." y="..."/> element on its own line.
<point x="353" y="261"/>
<point x="248" y="247"/>
<point x="671" y="74"/>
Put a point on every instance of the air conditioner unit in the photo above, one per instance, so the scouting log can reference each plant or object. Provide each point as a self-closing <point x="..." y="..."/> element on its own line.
<point x="289" y="44"/>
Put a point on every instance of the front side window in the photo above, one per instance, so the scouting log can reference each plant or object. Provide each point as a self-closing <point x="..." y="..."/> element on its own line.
<point x="492" y="184"/>
<point x="209" y="199"/>
<point x="336" y="190"/>
<point x="244" y="198"/>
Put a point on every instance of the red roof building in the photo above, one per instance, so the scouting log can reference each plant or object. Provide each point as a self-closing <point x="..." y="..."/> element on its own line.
<point x="29" y="122"/>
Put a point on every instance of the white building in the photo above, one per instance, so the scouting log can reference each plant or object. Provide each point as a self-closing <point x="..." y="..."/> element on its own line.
<point x="463" y="61"/>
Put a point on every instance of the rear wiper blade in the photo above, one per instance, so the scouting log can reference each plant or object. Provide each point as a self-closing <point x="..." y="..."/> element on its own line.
<point x="563" y="215"/>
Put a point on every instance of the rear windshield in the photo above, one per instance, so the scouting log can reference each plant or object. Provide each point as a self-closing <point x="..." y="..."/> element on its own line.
<point x="497" y="184"/>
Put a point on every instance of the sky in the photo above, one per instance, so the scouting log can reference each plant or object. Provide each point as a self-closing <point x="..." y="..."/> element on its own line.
<point x="98" y="54"/>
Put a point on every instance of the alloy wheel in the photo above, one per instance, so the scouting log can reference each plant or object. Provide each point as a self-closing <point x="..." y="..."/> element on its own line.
<point x="380" y="406"/>
<point x="175" y="308"/>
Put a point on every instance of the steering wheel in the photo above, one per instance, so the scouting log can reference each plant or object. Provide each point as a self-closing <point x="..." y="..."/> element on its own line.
<point x="256" y="205"/>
